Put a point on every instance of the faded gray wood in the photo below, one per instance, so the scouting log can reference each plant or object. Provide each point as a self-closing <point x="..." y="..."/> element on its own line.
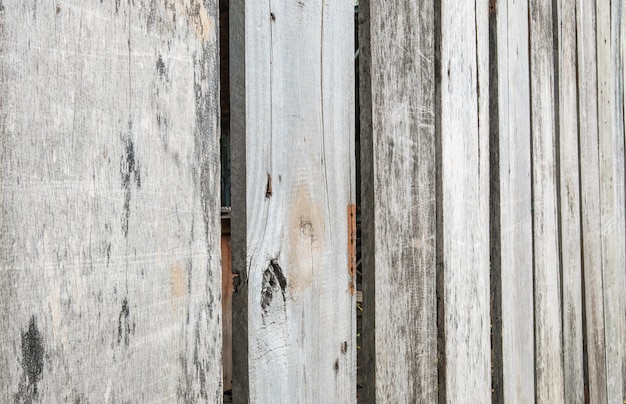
<point x="292" y="226"/>
<point x="590" y="201"/>
<point x="512" y="216"/>
<point x="109" y="179"/>
<point x="399" y="201"/>
<point x="464" y="231"/>
<point x="548" y="324"/>
<point x="569" y="204"/>
<point x="611" y="169"/>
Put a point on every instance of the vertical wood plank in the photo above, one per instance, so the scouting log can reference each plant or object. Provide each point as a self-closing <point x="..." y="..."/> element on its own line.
<point x="569" y="204"/>
<point x="109" y="179"/>
<point x="292" y="227"/>
<point x="399" y="211"/>
<point x="512" y="221"/>
<point x="611" y="152"/>
<point x="464" y="155"/>
<point x="547" y="291"/>
<point x="590" y="207"/>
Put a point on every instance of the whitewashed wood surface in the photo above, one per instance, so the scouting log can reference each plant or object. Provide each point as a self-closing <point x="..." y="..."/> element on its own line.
<point x="109" y="187"/>
<point x="464" y="158"/>
<point x="399" y="210"/>
<point x="514" y="225"/>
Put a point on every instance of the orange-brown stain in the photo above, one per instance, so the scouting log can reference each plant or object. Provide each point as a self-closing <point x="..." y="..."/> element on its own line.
<point x="196" y="15"/>
<point x="177" y="282"/>
<point x="305" y="240"/>
<point x="352" y="247"/>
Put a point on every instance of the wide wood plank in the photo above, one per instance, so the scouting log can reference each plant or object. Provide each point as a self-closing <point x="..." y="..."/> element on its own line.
<point x="548" y="338"/>
<point x="294" y="121"/>
<point x="569" y="204"/>
<point x="514" y="378"/>
<point x="611" y="169"/>
<point x="399" y="211"/>
<point x="464" y="190"/>
<point x="109" y="187"/>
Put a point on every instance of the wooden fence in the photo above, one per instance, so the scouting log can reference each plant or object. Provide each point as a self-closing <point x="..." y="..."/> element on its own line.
<point x="490" y="142"/>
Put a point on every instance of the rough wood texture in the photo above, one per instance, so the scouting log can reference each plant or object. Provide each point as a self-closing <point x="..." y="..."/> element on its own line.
<point x="398" y="176"/>
<point x="544" y="124"/>
<point x="590" y="203"/>
<point x="611" y="169"/>
<point x="299" y="121"/>
<point x="569" y="204"/>
<point x="464" y="157"/>
<point x="109" y="179"/>
<point x="512" y="249"/>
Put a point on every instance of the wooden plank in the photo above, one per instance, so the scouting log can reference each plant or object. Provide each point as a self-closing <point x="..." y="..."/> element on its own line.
<point x="109" y="260"/>
<point x="292" y="227"/>
<point x="569" y="204"/>
<point x="464" y="231"/>
<point x="590" y="207"/>
<point x="512" y="248"/>
<point x="611" y="155"/>
<point x="399" y="201"/>
<point x="548" y="338"/>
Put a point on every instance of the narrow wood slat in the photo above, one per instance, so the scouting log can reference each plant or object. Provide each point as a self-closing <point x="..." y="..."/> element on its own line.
<point x="293" y="124"/>
<point x="611" y="169"/>
<point x="399" y="211"/>
<point x="590" y="199"/>
<point x="109" y="202"/>
<point x="464" y="235"/>
<point x="547" y="291"/>
<point x="512" y="227"/>
<point x="569" y="205"/>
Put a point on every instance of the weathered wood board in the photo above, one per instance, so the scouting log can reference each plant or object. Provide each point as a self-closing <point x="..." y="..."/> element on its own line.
<point x="569" y="203"/>
<point x="511" y="227"/>
<point x="546" y="262"/>
<point x="295" y="120"/>
<point x="463" y="235"/>
<point x="399" y="201"/>
<point x="611" y="180"/>
<point x="109" y="187"/>
<point x="590" y="202"/>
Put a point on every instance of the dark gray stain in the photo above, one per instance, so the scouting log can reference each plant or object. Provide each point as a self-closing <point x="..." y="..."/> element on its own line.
<point x="129" y="170"/>
<point x="117" y="6"/>
<point x="336" y="367"/>
<point x="1" y="6"/>
<point x="273" y="281"/>
<point x="161" y="69"/>
<point x="124" y="326"/>
<point x="206" y="89"/>
<point x="152" y="15"/>
<point x="344" y="347"/>
<point x="32" y="363"/>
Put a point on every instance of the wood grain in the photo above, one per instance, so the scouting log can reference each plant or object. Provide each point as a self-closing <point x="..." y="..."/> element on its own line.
<point x="512" y="230"/>
<point x="298" y="126"/>
<point x="464" y="158"/>
<point x="109" y="179"/>
<point x="399" y="215"/>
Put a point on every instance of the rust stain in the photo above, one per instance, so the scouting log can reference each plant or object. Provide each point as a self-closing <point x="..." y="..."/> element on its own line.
<point x="352" y="247"/>
<point x="492" y="6"/>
